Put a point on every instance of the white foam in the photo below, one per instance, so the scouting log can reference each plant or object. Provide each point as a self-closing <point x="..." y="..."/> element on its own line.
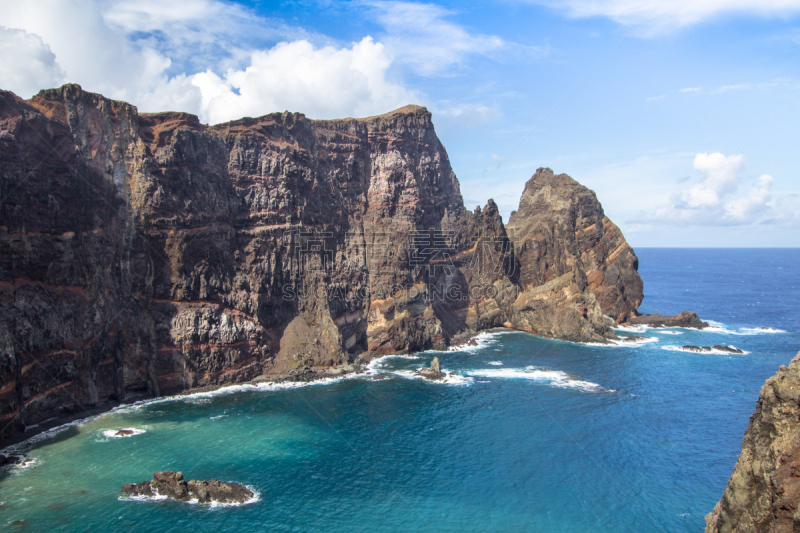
<point x="448" y="379"/>
<point x="632" y="329"/>
<point x="194" y="501"/>
<point x="621" y="342"/>
<point x="760" y="331"/>
<point x="671" y="332"/>
<point x="112" y="433"/>
<point x="495" y="363"/>
<point x="712" y="351"/>
<point x="555" y="378"/>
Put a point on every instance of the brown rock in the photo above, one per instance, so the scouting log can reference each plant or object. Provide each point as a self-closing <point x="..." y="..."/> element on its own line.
<point x="763" y="492"/>
<point x="685" y="319"/>
<point x="172" y="485"/>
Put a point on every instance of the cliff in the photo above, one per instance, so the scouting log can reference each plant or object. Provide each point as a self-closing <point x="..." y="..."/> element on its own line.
<point x="763" y="492"/>
<point x="147" y="254"/>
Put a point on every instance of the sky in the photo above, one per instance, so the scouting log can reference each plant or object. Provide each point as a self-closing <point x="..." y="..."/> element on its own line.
<point x="682" y="115"/>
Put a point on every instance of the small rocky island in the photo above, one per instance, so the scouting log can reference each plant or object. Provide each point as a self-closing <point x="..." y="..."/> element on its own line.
<point x="172" y="485"/>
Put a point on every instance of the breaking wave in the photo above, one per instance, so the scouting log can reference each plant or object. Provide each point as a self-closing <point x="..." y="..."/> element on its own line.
<point x="556" y="378"/>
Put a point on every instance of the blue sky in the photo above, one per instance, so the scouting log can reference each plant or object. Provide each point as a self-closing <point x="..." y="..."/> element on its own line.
<point x="682" y="115"/>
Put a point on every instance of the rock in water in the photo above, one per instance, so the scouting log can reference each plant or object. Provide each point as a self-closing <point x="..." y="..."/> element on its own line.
<point x="763" y="492"/>
<point x="172" y="485"/>
<point x="685" y="319"/>
<point x="434" y="372"/>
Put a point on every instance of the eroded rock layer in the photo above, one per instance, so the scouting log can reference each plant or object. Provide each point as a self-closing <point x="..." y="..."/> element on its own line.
<point x="147" y="254"/>
<point x="763" y="492"/>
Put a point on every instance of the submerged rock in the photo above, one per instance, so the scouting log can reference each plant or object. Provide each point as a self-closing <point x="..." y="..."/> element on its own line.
<point x="173" y="486"/>
<point x="685" y="319"/>
<point x="763" y="493"/>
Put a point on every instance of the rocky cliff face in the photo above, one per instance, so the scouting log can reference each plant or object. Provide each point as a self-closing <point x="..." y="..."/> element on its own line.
<point x="146" y="254"/>
<point x="763" y="492"/>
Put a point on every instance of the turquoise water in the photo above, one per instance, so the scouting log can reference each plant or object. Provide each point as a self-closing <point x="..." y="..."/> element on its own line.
<point x="537" y="435"/>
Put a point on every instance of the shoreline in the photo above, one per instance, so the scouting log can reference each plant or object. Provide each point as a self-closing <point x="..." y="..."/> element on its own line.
<point x="309" y="375"/>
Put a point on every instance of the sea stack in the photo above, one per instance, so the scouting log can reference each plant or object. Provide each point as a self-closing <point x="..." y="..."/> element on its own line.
<point x="434" y="371"/>
<point x="763" y="492"/>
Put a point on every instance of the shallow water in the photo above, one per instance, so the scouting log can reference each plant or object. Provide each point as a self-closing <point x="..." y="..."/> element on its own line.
<point x="532" y="435"/>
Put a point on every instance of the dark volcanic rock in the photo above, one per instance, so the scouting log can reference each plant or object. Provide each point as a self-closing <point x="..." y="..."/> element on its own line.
<point x="763" y="493"/>
<point x="148" y="254"/>
<point x="172" y="485"/>
<point x="685" y="319"/>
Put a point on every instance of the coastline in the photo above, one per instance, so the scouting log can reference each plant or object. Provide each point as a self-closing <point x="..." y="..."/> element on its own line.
<point x="309" y="375"/>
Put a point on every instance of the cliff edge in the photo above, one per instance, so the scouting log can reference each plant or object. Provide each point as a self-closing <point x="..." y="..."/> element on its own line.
<point x="144" y="254"/>
<point x="763" y="492"/>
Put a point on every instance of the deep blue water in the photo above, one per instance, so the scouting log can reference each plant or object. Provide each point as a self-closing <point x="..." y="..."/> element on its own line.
<point x="531" y="439"/>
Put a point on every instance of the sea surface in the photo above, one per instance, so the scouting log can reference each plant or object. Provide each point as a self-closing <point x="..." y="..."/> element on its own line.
<point x="536" y="434"/>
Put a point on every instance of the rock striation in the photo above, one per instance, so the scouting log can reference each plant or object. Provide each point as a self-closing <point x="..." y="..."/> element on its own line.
<point x="172" y="485"/>
<point x="763" y="493"/>
<point x="144" y="254"/>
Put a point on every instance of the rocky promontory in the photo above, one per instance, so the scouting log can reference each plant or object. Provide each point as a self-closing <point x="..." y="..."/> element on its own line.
<point x="172" y="485"/>
<point x="763" y="493"/>
<point x="685" y="319"/>
<point x="145" y="254"/>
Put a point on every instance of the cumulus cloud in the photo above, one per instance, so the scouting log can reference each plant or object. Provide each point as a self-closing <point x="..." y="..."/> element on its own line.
<point x="222" y="61"/>
<point x="28" y="63"/>
<point x="717" y="199"/>
<point x="323" y="82"/>
<point x="654" y="16"/>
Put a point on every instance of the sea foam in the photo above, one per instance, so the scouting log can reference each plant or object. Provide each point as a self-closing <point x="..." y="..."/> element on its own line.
<point x="556" y="378"/>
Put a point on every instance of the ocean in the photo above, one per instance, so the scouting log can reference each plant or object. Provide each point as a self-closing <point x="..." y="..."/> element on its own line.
<point x="532" y="435"/>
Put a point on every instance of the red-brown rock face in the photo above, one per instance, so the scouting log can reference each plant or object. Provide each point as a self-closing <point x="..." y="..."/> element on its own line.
<point x="145" y="254"/>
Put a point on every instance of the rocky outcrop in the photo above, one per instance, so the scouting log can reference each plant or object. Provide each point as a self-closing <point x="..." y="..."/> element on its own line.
<point x="685" y="319"/>
<point x="578" y="274"/>
<point x="716" y="347"/>
<point x="434" y="372"/>
<point x="148" y="254"/>
<point x="763" y="492"/>
<point x="172" y="485"/>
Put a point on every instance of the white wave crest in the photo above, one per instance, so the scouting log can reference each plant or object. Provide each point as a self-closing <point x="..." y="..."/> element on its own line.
<point x="712" y="351"/>
<point x="555" y="378"/>
<point x="495" y="363"/>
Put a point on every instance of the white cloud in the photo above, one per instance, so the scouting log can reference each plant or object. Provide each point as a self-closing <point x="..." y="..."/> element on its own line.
<point x="322" y="82"/>
<point x="660" y="16"/>
<point x="28" y="64"/>
<point x="716" y="200"/>
<point x="222" y="61"/>
<point x="466" y="114"/>
<point x="691" y="90"/>
<point x="420" y="36"/>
